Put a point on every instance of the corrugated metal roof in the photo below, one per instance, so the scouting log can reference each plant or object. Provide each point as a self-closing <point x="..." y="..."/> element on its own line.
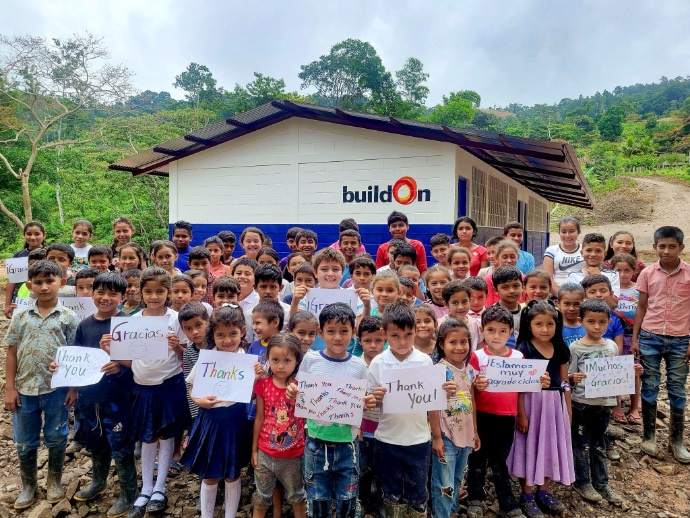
<point x="548" y="168"/>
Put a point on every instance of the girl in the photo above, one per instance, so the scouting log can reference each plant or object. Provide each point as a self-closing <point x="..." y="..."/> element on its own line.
<point x="426" y="327"/>
<point x="537" y="285"/>
<point x="507" y="254"/>
<point x="563" y="259"/>
<point x="215" y="246"/>
<point x="165" y="255"/>
<point x="623" y="242"/>
<point x="626" y="266"/>
<point x="159" y="403"/>
<point x="181" y="291"/>
<point x="132" y="303"/>
<point x="436" y="278"/>
<point x="465" y="230"/>
<point x="542" y="449"/>
<point x="460" y="261"/>
<point x="82" y="231"/>
<point x="252" y="240"/>
<point x="305" y="327"/>
<point x="454" y="430"/>
<point x="34" y="238"/>
<point x="199" y="284"/>
<point x="132" y="257"/>
<point x="385" y="289"/>
<point x="219" y="442"/>
<point x="278" y="440"/>
<point x="123" y="229"/>
<point x="152" y="247"/>
<point x="293" y="261"/>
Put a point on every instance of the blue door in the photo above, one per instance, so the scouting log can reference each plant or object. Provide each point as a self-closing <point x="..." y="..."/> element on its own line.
<point x="462" y="196"/>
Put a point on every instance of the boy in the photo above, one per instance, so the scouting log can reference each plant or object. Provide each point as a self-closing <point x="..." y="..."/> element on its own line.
<point x="333" y="449"/>
<point x="229" y="241"/>
<point x="593" y="251"/>
<point x="268" y="318"/>
<point x="570" y="297"/>
<point x="661" y="331"/>
<point x="305" y="327"/>
<point x="290" y="241"/>
<point x="591" y="415"/>
<point x="403" y="442"/>
<point x="393" y="244"/>
<point x="348" y="224"/>
<point x="440" y="243"/>
<point x="349" y="242"/>
<point x="479" y="290"/>
<point x="514" y="232"/>
<point x="32" y="342"/>
<point x="507" y="281"/>
<point x="132" y="303"/>
<point x="83" y="281"/>
<point x="362" y="270"/>
<point x="243" y="270"/>
<point x="406" y="293"/>
<point x="496" y="413"/>
<point x="100" y="257"/>
<point x="490" y="246"/>
<point x="304" y="276"/>
<point x="306" y="242"/>
<point x="182" y="236"/>
<point x="398" y="227"/>
<point x="409" y="271"/>
<point x="225" y="289"/>
<point x="101" y="413"/>
<point x="403" y="254"/>
<point x="63" y="255"/>
<point x="199" y="258"/>
<point x="267" y="278"/>
<point x="456" y="296"/>
<point x="597" y="286"/>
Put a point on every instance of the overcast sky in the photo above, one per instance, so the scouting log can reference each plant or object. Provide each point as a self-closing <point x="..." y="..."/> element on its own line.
<point x="524" y="51"/>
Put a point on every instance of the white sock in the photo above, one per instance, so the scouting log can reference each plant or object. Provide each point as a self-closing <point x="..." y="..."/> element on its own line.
<point x="233" y="491"/>
<point x="165" y="454"/>
<point x="148" y="461"/>
<point x="208" y="499"/>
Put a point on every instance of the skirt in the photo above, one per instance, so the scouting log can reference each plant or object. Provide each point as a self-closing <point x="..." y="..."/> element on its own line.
<point x="159" y="411"/>
<point x="545" y="451"/>
<point x="220" y="443"/>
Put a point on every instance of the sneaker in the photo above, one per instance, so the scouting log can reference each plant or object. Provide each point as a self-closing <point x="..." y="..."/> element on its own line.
<point x="548" y="503"/>
<point x="529" y="507"/>
<point x="587" y="492"/>
<point x="610" y="495"/>
<point x="475" y="509"/>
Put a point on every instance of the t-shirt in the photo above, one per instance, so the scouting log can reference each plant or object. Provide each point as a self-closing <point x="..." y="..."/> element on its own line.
<point x="81" y="258"/>
<point x="477" y="256"/>
<point x="282" y="434"/>
<point x="559" y="358"/>
<point x="189" y="358"/>
<point x="439" y="311"/>
<point x="190" y="382"/>
<point x="456" y="420"/>
<point x="572" y="334"/>
<point x="404" y="429"/>
<point x="564" y="263"/>
<point x="614" y="329"/>
<point x="627" y="305"/>
<point x="370" y="418"/>
<point x="316" y="362"/>
<point x="258" y="347"/>
<point x="525" y="262"/>
<point x="612" y="276"/>
<point x="183" y="259"/>
<point x="492" y="296"/>
<point x="249" y="335"/>
<point x="499" y="403"/>
<point x="580" y="352"/>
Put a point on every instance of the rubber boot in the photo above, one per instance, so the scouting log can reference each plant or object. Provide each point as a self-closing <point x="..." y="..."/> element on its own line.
<point x="28" y="466"/>
<point x="648" y="428"/>
<point x="56" y="460"/>
<point x="100" y="467"/>
<point x="127" y="475"/>
<point x="411" y="513"/>
<point x="675" y="436"/>
<point x="391" y="510"/>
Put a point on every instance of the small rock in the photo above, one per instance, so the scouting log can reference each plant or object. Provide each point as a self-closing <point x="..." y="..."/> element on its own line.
<point x="72" y="488"/>
<point x="83" y="510"/>
<point x="42" y="510"/>
<point x="633" y="440"/>
<point x="661" y="515"/>
<point x="666" y="470"/>
<point x="12" y="487"/>
<point x="7" y="432"/>
<point x="62" y="508"/>
<point x="42" y="458"/>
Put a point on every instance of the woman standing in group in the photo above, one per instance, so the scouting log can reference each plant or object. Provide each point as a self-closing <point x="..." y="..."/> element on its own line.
<point x="465" y="231"/>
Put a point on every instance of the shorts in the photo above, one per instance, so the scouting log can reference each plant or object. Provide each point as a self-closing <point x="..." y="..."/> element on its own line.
<point x="287" y="471"/>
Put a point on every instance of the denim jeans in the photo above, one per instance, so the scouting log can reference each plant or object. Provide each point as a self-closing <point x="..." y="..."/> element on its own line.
<point x="103" y="426"/>
<point x="589" y="446"/>
<point x="403" y="472"/>
<point x="47" y="410"/>
<point x="331" y="471"/>
<point x="496" y="434"/>
<point x="654" y="348"/>
<point x="446" y="478"/>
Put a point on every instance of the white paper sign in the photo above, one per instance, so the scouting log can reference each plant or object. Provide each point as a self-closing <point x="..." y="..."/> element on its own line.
<point x="329" y="399"/>
<point x="82" y="306"/>
<point x="17" y="269"/>
<point x="139" y="338"/>
<point x="228" y="376"/>
<point x="318" y="298"/>
<point x="612" y="376"/>
<point x="23" y="303"/>
<point x="78" y="366"/>
<point x="514" y="374"/>
<point x="415" y="389"/>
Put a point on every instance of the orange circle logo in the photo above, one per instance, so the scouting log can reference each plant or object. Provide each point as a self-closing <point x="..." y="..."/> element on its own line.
<point x="411" y="185"/>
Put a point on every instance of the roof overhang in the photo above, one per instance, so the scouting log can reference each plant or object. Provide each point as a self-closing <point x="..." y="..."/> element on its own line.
<point x="550" y="169"/>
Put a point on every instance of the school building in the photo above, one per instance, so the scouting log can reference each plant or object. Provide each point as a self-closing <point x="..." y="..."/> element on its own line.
<point x="289" y="163"/>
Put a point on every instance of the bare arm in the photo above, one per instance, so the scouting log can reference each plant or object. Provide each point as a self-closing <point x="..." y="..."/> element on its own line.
<point x="547" y="266"/>
<point x="258" y="423"/>
<point x="11" y="395"/>
<point x="640" y="313"/>
<point x="9" y="291"/>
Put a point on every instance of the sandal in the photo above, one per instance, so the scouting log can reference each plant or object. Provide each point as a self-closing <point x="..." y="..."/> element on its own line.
<point x="174" y="469"/>
<point x="619" y="417"/>
<point x="636" y="420"/>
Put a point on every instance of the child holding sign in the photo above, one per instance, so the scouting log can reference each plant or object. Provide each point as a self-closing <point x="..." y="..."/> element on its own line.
<point x="542" y="449"/>
<point x="34" y="238"/>
<point x="278" y="439"/>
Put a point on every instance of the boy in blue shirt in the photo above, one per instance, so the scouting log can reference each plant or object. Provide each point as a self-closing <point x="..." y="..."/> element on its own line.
<point x="514" y="232"/>
<point x="182" y="236"/>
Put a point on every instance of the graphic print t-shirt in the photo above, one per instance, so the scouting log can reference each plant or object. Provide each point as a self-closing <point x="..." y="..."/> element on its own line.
<point x="282" y="434"/>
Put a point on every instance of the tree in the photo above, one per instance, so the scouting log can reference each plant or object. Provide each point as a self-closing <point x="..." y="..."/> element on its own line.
<point x="198" y="82"/>
<point x="409" y="80"/>
<point x="49" y="85"/>
<point x="456" y="110"/>
<point x="611" y="123"/>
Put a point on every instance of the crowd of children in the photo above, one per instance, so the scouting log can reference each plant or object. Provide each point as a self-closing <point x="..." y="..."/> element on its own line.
<point x="590" y="299"/>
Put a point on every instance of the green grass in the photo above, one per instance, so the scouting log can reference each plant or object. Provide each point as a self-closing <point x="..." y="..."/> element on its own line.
<point x="679" y="173"/>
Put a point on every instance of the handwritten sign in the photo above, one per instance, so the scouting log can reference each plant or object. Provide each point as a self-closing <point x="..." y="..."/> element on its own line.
<point x="139" y="338"/>
<point x="17" y="269"/>
<point x="612" y="376"/>
<point x="415" y="389"/>
<point x="318" y="298"/>
<point x="228" y="376"/>
<point x="82" y="306"/>
<point x="334" y="400"/>
<point x="514" y="374"/>
<point x="23" y="303"/>
<point x="78" y="366"/>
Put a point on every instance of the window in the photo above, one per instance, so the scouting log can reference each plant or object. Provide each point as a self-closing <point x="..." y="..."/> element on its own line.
<point x="498" y="203"/>
<point x="537" y="215"/>
<point x="479" y="197"/>
<point x="513" y="205"/>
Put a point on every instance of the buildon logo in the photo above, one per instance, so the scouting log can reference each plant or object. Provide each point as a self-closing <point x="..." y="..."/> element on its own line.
<point x="404" y="191"/>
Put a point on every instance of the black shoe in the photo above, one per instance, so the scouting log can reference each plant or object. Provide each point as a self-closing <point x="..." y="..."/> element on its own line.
<point x="529" y="507"/>
<point x="549" y="503"/>
<point x="138" y="511"/>
<point x="158" y="505"/>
